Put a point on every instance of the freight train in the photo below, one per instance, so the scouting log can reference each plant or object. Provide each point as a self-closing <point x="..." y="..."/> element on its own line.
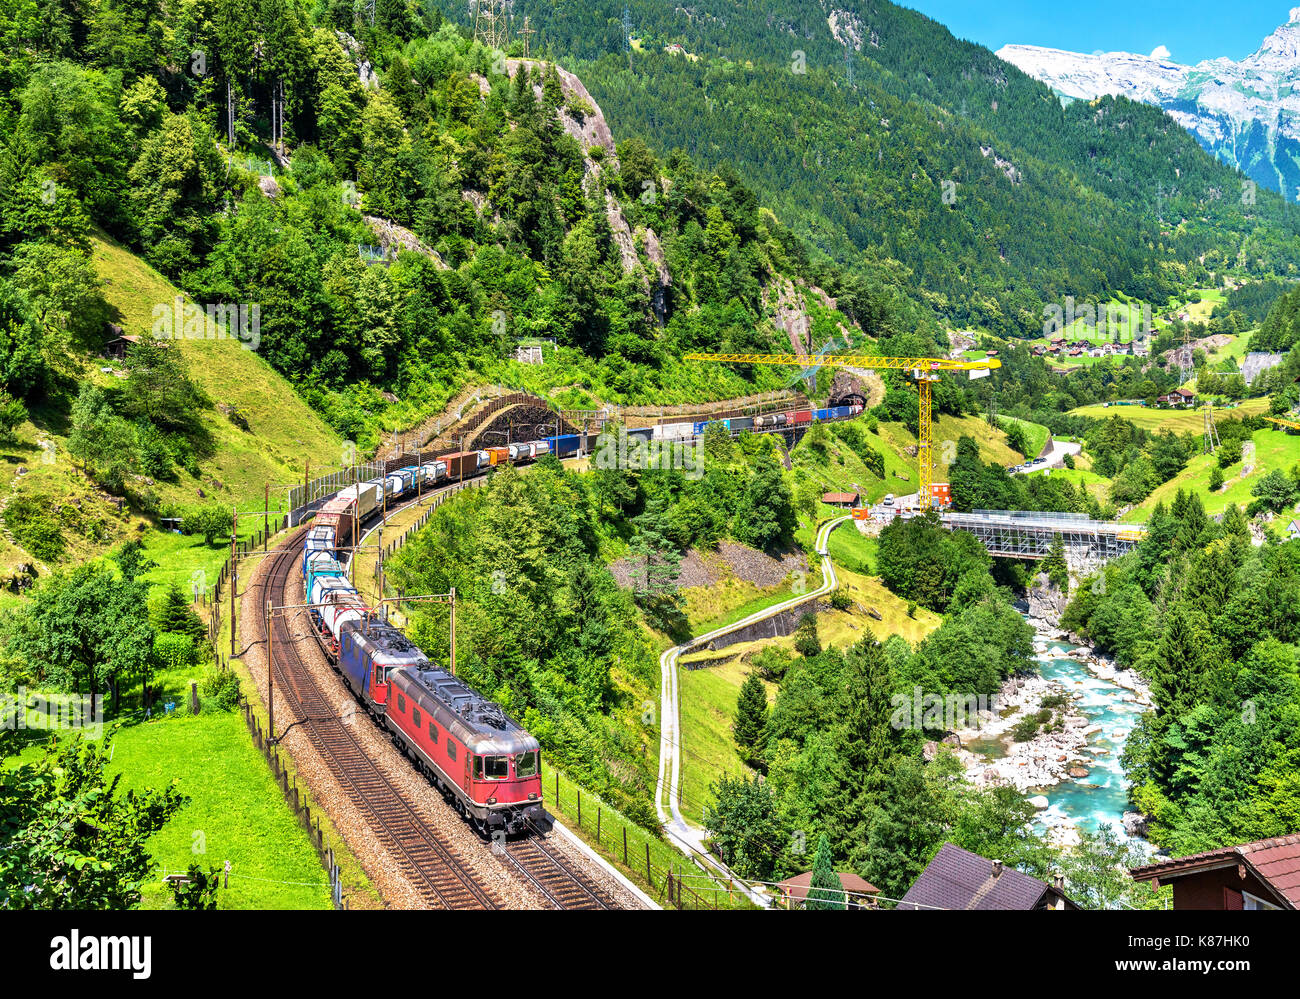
<point x="486" y="764"/>
<point x="772" y="421"/>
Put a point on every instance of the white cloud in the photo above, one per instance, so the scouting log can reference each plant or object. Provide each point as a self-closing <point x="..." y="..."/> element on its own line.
<point x="1160" y="52"/>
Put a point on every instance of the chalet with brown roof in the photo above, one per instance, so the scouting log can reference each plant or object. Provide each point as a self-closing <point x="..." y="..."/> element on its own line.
<point x="845" y="500"/>
<point x="959" y="879"/>
<point x="1179" y="397"/>
<point x="1264" y="874"/>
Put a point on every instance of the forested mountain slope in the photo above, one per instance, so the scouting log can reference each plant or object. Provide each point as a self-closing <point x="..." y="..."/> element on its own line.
<point x="277" y="158"/>
<point x="922" y="159"/>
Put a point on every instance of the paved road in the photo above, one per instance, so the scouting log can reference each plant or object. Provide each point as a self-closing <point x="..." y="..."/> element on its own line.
<point x="690" y="839"/>
<point x="1056" y="456"/>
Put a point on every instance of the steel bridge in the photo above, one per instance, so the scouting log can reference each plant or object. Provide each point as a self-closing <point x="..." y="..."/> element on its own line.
<point x="1028" y="534"/>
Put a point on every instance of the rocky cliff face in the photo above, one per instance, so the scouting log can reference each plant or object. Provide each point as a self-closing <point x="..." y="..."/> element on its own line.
<point x="1246" y="113"/>
<point x="589" y="129"/>
<point x="1046" y="602"/>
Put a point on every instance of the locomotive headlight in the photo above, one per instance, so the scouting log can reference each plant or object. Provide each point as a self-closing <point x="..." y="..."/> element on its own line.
<point x="492" y="801"/>
<point x="532" y="795"/>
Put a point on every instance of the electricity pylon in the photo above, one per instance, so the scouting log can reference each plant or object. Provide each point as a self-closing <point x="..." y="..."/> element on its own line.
<point x="1211" y="433"/>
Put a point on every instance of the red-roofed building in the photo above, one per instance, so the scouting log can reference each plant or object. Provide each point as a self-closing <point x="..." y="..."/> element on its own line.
<point x="1260" y="875"/>
<point x="859" y="892"/>
<point x="848" y="500"/>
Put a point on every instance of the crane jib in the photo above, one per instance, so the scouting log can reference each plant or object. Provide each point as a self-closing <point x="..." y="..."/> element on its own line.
<point x="924" y="369"/>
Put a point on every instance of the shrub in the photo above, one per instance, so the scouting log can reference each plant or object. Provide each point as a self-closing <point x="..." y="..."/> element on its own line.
<point x="174" y="651"/>
<point x="1028" y="726"/>
<point x="209" y="519"/>
<point x="771" y="663"/>
<point x="222" y="687"/>
<point x="12" y="415"/>
<point x="33" y="528"/>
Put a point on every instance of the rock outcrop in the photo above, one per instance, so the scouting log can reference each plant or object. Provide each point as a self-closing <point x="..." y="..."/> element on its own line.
<point x="1046" y="600"/>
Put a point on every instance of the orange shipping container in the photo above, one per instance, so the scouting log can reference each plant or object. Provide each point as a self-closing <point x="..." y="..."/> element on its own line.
<point x="499" y="455"/>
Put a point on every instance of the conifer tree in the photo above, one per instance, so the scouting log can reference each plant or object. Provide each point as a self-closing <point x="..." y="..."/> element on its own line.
<point x="177" y="616"/>
<point x="1054" y="564"/>
<point x="750" y="726"/>
<point x="825" y="891"/>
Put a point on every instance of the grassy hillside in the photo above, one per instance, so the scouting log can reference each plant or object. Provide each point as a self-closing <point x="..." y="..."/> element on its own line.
<point x="235" y="813"/>
<point x="1035" y="435"/>
<point x="1274" y="449"/>
<point x="708" y="705"/>
<point x="708" y="692"/>
<point x="1098" y="486"/>
<point x="284" y="433"/>
<point x="947" y="431"/>
<point x="1177" y="420"/>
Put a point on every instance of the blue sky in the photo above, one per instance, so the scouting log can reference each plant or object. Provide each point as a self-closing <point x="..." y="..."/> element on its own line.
<point x="1192" y="30"/>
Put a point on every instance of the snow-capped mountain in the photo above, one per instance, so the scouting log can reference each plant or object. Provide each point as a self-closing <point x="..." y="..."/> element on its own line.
<point x="1247" y="113"/>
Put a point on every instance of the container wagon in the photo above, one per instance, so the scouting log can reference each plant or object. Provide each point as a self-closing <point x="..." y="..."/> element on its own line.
<point x="461" y="464"/>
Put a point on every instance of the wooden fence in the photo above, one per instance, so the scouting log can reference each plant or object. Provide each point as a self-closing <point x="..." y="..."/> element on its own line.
<point x="297" y="801"/>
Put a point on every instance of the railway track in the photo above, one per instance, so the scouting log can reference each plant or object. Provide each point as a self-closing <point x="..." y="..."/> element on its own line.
<point x="438" y="871"/>
<point x="553" y="875"/>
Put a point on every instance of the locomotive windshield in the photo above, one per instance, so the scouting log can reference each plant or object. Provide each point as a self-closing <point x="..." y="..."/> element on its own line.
<point x="526" y="764"/>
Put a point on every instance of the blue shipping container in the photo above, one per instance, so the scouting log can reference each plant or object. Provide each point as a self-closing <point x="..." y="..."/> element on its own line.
<point x="564" y="445"/>
<point x="354" y="660"/>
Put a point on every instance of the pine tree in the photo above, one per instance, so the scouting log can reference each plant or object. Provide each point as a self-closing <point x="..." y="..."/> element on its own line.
<point x="750" y="726"/>
<point x="1054" y="564"/>
<point x="806" y="642"/>
<point x="825" y="890"/>
<point x="176" y="615"/>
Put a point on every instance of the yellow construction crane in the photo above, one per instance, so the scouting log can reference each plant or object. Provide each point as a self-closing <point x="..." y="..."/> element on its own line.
<point x="1283" y="423"/>
<point x="924" y="369"/>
